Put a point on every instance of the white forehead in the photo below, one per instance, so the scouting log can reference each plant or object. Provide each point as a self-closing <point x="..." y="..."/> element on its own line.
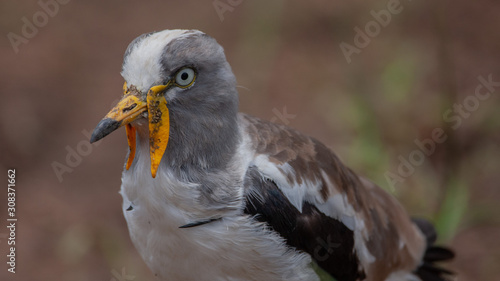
<point x="142" y="67"/>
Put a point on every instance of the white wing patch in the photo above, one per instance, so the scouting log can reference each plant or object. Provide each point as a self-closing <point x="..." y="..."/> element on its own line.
<point x="280" y="174"/>
<point x="336" y="206"/>
<point x="402" y="276"/>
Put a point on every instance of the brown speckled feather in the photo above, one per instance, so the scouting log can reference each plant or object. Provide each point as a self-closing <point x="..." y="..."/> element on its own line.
<point x="386" y="240"/>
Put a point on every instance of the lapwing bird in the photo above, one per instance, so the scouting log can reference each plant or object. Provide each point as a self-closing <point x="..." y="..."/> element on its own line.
<point x="213" y="194"/>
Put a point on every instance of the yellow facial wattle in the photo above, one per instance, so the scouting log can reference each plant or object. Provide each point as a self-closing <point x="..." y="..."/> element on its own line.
<point x="128" y="109"/>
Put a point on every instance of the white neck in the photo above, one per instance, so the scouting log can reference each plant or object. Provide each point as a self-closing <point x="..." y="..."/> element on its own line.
<point x="233" y="248"/>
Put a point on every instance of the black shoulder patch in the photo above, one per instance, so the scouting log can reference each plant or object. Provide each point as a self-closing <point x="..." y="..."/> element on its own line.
<point x="329" y="242"/>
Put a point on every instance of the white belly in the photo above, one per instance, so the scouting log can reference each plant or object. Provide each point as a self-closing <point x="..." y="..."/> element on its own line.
<point x="233" y="248"/>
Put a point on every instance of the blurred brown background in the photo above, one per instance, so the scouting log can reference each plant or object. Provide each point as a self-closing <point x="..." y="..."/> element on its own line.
<point x="402" y="79"/>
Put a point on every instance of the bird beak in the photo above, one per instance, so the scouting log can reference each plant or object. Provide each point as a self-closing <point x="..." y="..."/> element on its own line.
<point x="128" y="109"/>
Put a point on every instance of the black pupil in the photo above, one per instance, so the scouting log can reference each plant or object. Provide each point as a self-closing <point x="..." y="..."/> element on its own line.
<point x="184" y="76"/>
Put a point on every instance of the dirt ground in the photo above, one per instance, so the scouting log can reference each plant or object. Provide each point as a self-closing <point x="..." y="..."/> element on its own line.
<point x="371" y="79"/>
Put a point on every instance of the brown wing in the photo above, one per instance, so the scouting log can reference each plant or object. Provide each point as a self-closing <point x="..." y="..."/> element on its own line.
<point x="308" y="173"/>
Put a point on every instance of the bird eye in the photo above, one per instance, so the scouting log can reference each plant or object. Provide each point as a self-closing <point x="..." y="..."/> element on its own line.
<point x="185" y="77"/>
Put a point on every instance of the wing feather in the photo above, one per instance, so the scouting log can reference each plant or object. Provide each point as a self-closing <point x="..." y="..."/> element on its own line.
<point x="307" y="173"/>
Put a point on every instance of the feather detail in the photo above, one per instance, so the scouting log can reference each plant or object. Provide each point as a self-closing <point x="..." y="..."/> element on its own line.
<point x="309" y="175"/>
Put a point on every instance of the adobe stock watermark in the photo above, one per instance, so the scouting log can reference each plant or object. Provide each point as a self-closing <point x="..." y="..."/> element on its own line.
<point x="30" y="28"/>
<point x="121" y="277"/>
<point x="454" y="116"/>
<point x="282" y="116"/>
<point x="372" y="29"/>
<point x="223" y="6"/>
<point x="322" y="252"/>
<point x="325" y="248"/>
<point x="74" y="156"/>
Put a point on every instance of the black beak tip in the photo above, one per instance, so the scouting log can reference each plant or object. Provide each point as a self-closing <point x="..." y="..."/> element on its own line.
<point x="104" y="128"/>
<point x="95" y="137"/>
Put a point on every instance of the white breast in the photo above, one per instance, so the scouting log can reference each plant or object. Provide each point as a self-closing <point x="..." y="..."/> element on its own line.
<point x="234" y="248"/>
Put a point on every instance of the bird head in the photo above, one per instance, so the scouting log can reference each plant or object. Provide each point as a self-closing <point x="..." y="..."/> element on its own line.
<point x="176" y="70"/>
